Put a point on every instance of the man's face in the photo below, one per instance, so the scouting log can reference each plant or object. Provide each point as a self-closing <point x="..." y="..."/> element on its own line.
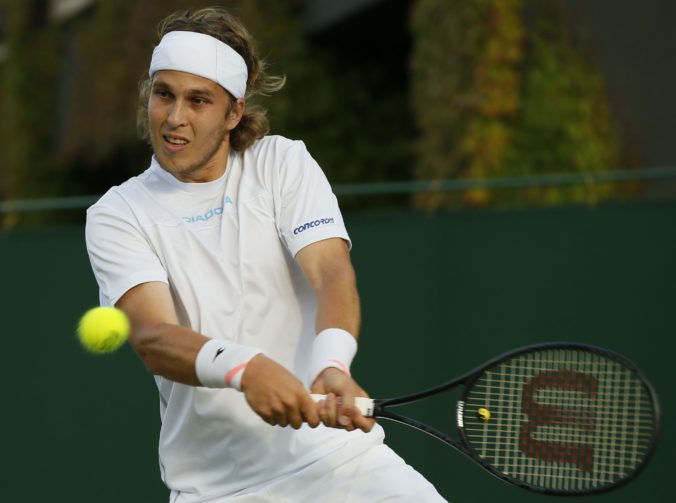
<point x="190" y="118"/>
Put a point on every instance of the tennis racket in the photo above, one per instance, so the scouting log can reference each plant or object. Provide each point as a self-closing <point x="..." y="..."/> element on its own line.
<point x="555" y="418"/>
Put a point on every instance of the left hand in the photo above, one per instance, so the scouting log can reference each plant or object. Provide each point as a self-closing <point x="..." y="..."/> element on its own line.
<point x="338" y="410"/>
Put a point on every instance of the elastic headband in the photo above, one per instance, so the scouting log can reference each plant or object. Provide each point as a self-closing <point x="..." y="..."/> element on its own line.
<point x="201" y="55"/>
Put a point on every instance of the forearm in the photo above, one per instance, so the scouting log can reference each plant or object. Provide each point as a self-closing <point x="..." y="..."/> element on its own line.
<point x="272" y="391"/>
<point x="338" y="303"/>
<point x="166" y="348"/>
<point x="337" y="322"/>
<point x="182" y="355"/>
<point x="169" y="350"/>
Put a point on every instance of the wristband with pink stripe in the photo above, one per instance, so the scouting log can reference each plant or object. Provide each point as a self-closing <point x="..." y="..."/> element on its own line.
<point x="220" y="364"/>
<point x="333" y="347"/>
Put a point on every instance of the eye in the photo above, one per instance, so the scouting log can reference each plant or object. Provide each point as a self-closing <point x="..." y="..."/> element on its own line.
<point x="199" y="101"/>
<point x="162" y="93"/>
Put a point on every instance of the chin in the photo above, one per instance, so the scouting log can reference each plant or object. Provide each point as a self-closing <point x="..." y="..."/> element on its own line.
<point x="169" y="165"/>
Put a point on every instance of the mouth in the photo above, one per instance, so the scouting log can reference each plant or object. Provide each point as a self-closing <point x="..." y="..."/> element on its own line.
<point x="175" y="143"/>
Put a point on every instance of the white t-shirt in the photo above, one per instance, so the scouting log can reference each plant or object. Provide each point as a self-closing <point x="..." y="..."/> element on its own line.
<point x="226" y="249"/>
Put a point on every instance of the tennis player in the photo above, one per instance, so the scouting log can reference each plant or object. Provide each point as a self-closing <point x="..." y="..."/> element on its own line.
<point x="230" y="257"/>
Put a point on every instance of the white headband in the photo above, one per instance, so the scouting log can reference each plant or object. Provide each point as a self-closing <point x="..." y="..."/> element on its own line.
<point x="201" y="55"/>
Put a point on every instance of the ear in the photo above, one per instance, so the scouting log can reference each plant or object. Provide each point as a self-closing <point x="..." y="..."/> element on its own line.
<point x="235" y="114"/>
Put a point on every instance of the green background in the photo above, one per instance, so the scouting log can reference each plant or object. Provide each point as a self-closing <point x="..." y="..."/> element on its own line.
<point x="441" y="294"/>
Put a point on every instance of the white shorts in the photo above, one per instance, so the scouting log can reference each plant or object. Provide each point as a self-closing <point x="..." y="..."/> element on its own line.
<point x="377" y="475"/>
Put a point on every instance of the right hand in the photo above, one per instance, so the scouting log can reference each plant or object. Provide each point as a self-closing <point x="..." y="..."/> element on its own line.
<point x="338" y="409"/>
<point x="276" y="395"/>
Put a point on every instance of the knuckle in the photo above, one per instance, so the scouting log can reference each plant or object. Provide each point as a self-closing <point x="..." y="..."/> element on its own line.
<point x="278" y="408"/>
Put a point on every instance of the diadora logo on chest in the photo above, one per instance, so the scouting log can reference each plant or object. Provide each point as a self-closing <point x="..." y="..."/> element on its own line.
<point x="208" y="215"/>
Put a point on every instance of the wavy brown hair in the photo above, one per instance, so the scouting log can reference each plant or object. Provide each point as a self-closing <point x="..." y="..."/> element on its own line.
<point x="220" y="24"/>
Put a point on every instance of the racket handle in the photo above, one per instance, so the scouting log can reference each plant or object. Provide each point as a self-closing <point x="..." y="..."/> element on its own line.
<point x="365" y="405"/>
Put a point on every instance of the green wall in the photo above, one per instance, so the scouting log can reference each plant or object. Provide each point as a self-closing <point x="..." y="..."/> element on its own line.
<point x="441" y="294"/>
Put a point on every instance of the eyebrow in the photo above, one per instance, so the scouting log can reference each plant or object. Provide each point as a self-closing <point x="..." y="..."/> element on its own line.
<point x="197" y="91"/>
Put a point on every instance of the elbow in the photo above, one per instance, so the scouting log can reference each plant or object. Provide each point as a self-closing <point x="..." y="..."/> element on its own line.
<point x="146" y="343"/>
<point x="152" y="363"/>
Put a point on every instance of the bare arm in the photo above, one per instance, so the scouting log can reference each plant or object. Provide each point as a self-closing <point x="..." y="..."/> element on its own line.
<point x="165" y="348"/>
<point x="329" y="270"/>
<point x="170" y="350"/>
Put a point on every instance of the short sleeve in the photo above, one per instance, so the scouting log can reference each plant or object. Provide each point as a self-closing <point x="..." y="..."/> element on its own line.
<point x="309" y="209"/>
<point x="120" y="256"/>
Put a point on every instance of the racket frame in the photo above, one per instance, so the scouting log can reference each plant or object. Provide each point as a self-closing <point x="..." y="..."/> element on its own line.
<point x="467" y="380"/>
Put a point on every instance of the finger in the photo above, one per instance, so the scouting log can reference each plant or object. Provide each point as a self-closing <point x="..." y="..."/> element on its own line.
<point x="328" y="410"/>
<point x="295" y="415"/>
<point x="346" y="410"/>
<point x="268" y="417"/>
<point x="365" y="424"/>
<point x="310" y="411"/>
<point x="280" y="416"/>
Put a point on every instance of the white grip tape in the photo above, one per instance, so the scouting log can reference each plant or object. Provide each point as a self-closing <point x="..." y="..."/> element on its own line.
<point x="364" y="404"/>
<point x="220" y="364"/>
<point x="333" y="347"/>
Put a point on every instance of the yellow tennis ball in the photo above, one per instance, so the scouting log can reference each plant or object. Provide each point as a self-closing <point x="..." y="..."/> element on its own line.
<point x="484" y="413"/>
<point x="103" y="329"/>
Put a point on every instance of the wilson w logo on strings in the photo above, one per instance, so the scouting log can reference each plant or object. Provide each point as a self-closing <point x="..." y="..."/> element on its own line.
<point x="577" y="418"/>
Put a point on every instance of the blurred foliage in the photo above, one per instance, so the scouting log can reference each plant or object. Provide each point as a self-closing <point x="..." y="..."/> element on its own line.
<point x="74" y="131"/>
<point x="497" y="88"/>
<point x="344" y="105"/>
<point x="500" y="89"/>
<point x="28" y="104"/>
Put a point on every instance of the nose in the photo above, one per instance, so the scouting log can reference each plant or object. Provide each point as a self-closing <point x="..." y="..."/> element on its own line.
<point x="177" y="114"/>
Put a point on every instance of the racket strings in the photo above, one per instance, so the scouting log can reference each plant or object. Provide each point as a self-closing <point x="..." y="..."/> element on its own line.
<point x="560" y="419"/>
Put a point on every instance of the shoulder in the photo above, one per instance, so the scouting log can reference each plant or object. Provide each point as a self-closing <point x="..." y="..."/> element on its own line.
<point x="276" y="150"/>
<point x="119" y="199"/>
<point x="278" y="162"/>
<point x="275" y="143"/>
<point x="113" y="199"/>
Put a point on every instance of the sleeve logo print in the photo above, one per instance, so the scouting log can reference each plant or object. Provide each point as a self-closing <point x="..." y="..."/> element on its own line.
<point x="311" y="224"/>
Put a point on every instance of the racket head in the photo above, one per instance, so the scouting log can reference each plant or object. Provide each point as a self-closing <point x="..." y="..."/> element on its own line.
<point x="560" y="418"/>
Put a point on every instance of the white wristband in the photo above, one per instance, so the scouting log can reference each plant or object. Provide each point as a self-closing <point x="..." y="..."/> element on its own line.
<point x="333" y="347"/>
<point x="220" y="364"/>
